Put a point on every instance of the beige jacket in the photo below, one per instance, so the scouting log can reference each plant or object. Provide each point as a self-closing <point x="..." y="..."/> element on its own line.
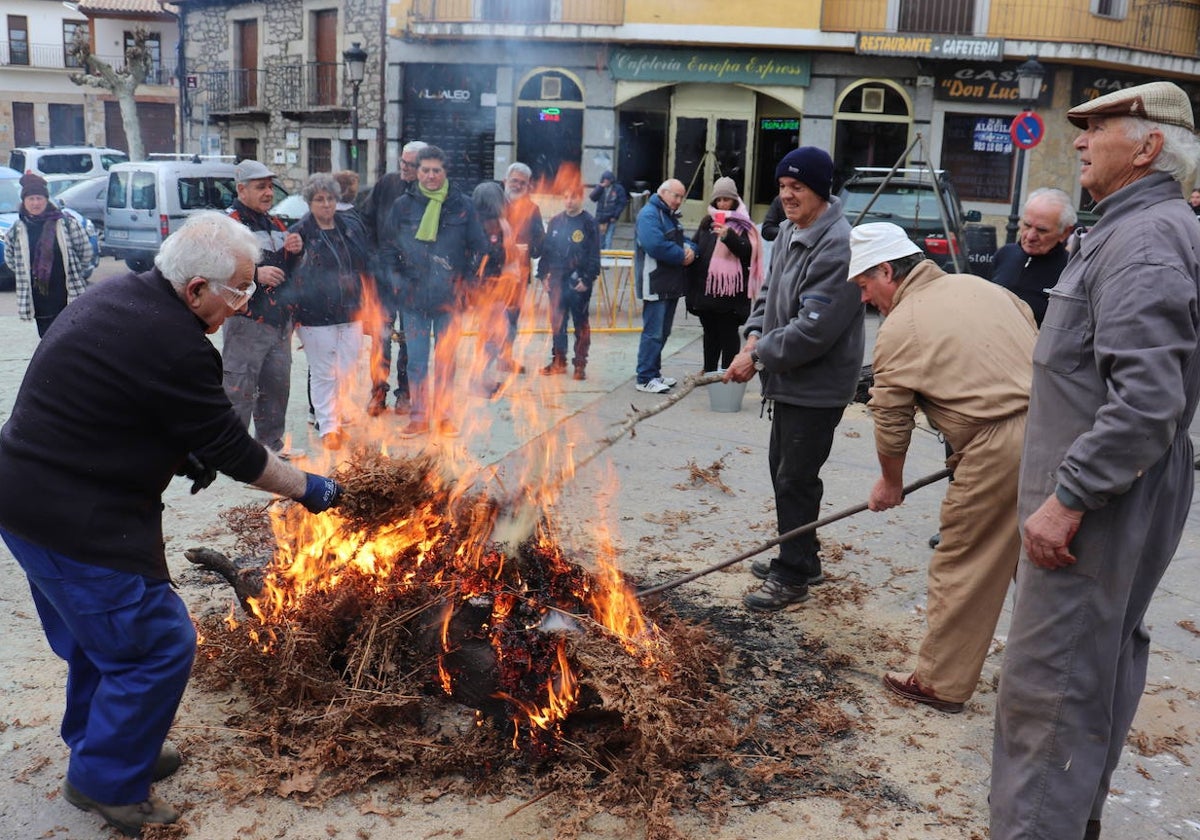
<point x="958" y="347"/>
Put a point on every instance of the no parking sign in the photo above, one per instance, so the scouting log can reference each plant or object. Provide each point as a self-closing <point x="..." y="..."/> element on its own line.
<point x="1027" y="130"/>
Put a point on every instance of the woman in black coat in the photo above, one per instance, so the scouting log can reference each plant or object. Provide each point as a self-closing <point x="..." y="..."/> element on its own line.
<point x="726" y="275"/>
<point x="326" y="296"/>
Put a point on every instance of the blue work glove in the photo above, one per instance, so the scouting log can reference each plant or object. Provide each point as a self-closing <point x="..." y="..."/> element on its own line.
<point x="320" y="493"/>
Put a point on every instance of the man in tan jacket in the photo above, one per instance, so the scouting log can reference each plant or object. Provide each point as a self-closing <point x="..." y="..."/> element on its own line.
<point x="960" y="349"/>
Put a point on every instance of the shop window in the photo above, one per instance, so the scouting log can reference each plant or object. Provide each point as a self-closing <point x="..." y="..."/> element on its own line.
<point x="776" y="137"/>
<point x="977" y="151"/>
<point x="872" y="126"/>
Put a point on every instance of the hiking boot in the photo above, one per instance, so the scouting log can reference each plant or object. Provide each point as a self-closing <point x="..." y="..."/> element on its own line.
<point x="378" y="402"/>
<point x="168" y="762"/>
<point x="415" y="428"/>
<point x="557" y="366"/>
<point x="128" y="819"/>
<point x="773" y="596"/>
<point x="761" y="569"/>
<point x="654" y="386"/>
<point x="579" y="374"/>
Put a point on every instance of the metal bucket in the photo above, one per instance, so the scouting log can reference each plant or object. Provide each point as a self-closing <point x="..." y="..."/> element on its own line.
<point x="726" y="396"/>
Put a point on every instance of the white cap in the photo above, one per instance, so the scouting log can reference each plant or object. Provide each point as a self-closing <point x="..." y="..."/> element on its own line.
<point x="876" y="243"/>
<point x="251" y="170"/>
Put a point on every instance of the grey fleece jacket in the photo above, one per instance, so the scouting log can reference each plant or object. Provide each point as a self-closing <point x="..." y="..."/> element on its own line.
<point x="810" y="316"/>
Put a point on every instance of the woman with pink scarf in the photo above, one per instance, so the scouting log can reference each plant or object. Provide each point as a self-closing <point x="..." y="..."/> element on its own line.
<point x="727" y="273"/>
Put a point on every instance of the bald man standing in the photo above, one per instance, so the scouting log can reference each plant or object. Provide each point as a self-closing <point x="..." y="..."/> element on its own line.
<point x="661" y="256"/>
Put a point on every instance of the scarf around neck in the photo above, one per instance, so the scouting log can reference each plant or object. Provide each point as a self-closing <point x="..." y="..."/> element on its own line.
<point x="428" y="229"/>
<point x="43" y="250"/>
<point x="725" y="269"/>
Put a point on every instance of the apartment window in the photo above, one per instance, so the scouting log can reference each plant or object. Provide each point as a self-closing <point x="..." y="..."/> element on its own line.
<point x="73" y="29"/>
<point x="320" y="155"/>
<point x="1110" y="8"/>
<point x="154" y="47"/>
<point x="18" y="39"/>
<point x="951" y="17"/>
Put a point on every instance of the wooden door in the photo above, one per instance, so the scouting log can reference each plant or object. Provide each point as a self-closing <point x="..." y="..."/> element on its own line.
<point x="246" y="77"/>
<point x="325" y="54"/>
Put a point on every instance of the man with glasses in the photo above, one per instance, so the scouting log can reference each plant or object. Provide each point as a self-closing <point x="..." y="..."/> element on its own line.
<point x="258" y="343"/>
<point x="125" y="392"/>
<point x="374" y="214"/>
<point x="660" y="262"/>
<point x="529" y="232"/>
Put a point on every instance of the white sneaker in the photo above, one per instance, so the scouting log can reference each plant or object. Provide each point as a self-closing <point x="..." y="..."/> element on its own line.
<point x="669" y="381"/>
<point x="654" y="386"/>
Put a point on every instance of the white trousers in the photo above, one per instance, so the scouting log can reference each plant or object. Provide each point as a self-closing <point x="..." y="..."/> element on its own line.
<point x="332" y="354"/>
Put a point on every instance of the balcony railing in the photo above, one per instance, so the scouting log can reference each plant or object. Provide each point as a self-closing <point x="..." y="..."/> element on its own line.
<point x="228" y="90"/>
<point x="55" y="57"/>
<point x="313" y="84"/>
<point x="1159" y="26"/>
<point x="161" y="72"/>
<point x="525" y="12"/>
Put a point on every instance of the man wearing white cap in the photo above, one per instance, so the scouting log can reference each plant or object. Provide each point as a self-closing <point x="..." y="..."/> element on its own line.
<point x="1106" y="473"/>
<point x="958" y="348"/>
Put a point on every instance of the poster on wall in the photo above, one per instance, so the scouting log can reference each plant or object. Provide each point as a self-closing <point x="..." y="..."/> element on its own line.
<point x="977" y="151"/>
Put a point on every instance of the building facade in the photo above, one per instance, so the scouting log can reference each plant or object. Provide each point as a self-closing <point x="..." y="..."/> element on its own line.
<point x="39" y="104"/>
<point x="659" y="89"/>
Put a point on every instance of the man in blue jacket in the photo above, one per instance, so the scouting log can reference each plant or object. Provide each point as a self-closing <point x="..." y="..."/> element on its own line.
<point x="805" y="335"/>
<point x="661" y="255"/>
<point x="433" y="243"/>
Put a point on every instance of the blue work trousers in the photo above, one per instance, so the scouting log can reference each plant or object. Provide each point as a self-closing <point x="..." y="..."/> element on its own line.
<point x="441" y="330"/>
<point x="129" y="644"/>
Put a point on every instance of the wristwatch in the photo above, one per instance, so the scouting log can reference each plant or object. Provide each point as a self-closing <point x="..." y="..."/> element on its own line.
<point x="758" y="365"/>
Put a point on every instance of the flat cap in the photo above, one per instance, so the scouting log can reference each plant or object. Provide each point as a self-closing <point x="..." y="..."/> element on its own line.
<point x="1160" y="102"/>
<point x="251" y="170"/>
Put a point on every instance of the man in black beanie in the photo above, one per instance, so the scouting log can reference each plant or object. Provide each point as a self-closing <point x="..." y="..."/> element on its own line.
<point x="805" y="336"/>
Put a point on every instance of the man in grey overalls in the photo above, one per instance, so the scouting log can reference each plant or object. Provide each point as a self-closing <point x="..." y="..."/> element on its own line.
<point x="1106" y="475"/>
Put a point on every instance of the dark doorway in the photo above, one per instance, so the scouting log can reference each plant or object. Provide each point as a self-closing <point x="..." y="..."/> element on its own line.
<point x="642" y="149"/>
<point x="549" y="137"/>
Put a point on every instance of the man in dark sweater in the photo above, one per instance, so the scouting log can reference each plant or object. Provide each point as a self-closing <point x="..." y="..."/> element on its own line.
<point x="1031" y="265"/>
<point x="569" y="267"/>
<point x="123" y="394"/>
<point x="258" y="343"/>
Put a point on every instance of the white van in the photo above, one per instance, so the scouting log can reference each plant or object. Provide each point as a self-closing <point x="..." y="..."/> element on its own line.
<point x="148" y="200"/>
<point x="79" y="161"/>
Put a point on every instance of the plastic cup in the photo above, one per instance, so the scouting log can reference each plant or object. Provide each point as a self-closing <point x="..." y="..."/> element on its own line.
<point x="718" y="217"/>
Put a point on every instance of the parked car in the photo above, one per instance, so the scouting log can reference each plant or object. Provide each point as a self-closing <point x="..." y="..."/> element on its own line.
<point x="65" y="160"/>
<point x="291" y="210"/>
<point x="86" y="198"/>
<point x="148" y="200"/>
<point x="908" y="198"/>
<point x="10" y="207"/>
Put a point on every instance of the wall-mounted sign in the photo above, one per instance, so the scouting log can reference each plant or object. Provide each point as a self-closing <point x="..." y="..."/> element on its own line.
<point x="1087" y="83"/>
<point x="436" y="87"/>
<point x="1027" y="130"/>
<point x="550" y="115"/>
<point x="994" y="83"/>
<point x="957" y="47"/>
<point x="778" y="124"/>
<point x="730" y="66"/>
<point x="991" y="134"/>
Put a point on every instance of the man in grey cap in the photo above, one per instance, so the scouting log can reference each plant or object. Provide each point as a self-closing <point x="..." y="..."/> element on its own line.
<point x="958" y="348"/>
<point x="1106" y="473"/>
<point x="257" y="349"/>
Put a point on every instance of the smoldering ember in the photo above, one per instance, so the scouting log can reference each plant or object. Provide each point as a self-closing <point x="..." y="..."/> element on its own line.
<point x="406" y="641"/>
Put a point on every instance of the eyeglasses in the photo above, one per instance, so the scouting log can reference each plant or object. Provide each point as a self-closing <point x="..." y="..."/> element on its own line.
<point x="406" y="165"/>
<point x="234" y="298"/>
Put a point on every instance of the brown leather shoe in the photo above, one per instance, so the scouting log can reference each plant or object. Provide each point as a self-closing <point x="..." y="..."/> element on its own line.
<point x="906" y="686"/>
<point x="128" y="819"/>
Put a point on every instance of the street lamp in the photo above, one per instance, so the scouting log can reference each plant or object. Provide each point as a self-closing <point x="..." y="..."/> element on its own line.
<point x="1029" y="86"/>
<point x="356" y="65"/>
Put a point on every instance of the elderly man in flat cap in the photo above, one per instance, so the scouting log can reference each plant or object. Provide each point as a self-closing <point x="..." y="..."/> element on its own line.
<point x="958" y="348"/>
<point x="1106" y="474"/>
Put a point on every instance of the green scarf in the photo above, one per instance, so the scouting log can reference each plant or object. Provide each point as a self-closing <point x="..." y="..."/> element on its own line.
<point x="427" y="230"/>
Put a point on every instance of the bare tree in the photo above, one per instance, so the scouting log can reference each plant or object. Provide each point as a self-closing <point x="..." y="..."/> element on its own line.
<point x="120" y="82"/>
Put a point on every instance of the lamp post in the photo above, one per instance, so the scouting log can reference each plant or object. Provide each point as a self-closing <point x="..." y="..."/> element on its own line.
<point x="1029" y="85"/>
<point x="355" y="59"/>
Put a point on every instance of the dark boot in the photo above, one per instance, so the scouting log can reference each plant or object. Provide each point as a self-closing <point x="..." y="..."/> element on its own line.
<point x="378" y="402"/>
<point x="558" y="365"/>
<point x="773" y="596"/>
<point x="1093" y="830"/>
<point x="580" y="373"/>
<point x="761" y="569"/>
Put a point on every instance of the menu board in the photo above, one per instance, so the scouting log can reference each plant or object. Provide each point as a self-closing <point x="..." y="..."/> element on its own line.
<point x="978" y="153"/>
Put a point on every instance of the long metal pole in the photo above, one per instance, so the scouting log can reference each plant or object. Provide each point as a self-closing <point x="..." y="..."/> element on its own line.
<point x="1014" y="216"/>
<point x="354" y="135"/>
<point x="792" y="534"/>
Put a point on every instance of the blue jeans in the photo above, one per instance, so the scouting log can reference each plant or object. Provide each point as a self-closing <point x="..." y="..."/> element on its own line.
<point x="419" y="329"/>
<point x="567" y="303"/>
<point x="128" y="643"/>
<point x="606" y="238"/>
<point x="657" y="318"/>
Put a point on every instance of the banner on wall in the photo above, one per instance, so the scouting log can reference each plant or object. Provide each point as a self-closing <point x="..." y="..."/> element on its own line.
<point x="650" y="64"/>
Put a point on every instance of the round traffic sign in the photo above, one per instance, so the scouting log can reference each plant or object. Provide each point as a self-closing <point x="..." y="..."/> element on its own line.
<point x="1027" y="130"/>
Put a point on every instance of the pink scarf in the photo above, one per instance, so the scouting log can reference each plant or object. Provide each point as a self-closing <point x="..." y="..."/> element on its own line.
<point x="724" y="269"/>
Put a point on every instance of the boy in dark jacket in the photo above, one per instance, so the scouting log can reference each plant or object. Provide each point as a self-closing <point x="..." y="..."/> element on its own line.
<point x="569" y="267"/>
